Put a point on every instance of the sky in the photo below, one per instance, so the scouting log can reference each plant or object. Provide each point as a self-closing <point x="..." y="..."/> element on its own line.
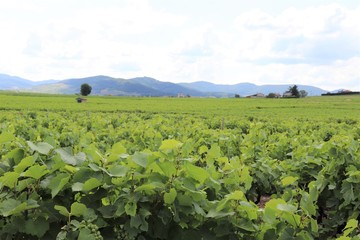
<point x="312" y="42"/>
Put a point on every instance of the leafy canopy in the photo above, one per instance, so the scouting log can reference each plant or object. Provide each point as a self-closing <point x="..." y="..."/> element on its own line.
<point x="85" y="89"/>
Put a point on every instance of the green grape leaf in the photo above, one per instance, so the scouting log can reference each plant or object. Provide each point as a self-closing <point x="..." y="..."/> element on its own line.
<point x="168" y="168"/>
<point x="85" y="234"/>
<point x="91" y="184"/>
<point x="23" y="184"/>
<point x="291" y="218"/>
<point x="6" y="137"/>
<point x="246" y="177"/>
<point x="214" y="152"/>
<point x="62" y="235"/>
<point x="135" y="221"/>
<point x="117" y="151"/>
<point x="130" y="208"/>
<point x="9" y="179"/>
<point x="16" y="154"/>
<point x="351" y="225"/>
<point x="269" y="216"/>
<point x="37" y="227"/>
<point x="118" y="171"/>
<point x="343" y="238"/>
<point x="41" y="147"/>
<point x="140" y="159"/>
<point x="286" y="208"/>
<point x="314" y="226"/>
<point x="58" y="182"/>
<point x="170" y="196"/>
<point x="10" y="207"/>
<point x="118" y="148"/>
<point x="347" y="191"/>
<point x="147" y="188"/>
<point x="197" y="173"/>
<point x="307" y="205"/>
<point x="289" y="180"/>
<point x="62" y="210"/>
<point x="24" y="163"/>
<point x="36" y="172"/>
<point x="273" y="203"/>
<point x="78" y="209"/>
<point x="213" y="213"/>
<point x="77" y="187"/>
<point x="203" y="149"/>
<point x="67" y="156"/>
<point x="170" y="144"/>
<point x="236" y="195"/>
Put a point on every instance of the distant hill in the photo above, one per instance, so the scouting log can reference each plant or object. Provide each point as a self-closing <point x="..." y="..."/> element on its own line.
<point x="8" y="82"/>
<point x="104" y="85"/>
<point x="245" y="89"/>
<point x="144" y="86"/>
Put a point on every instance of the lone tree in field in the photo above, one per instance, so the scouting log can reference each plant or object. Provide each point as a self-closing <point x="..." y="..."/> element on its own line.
<point x="303" y="93"/>
<point x="85" y="89"/>
<point x="294" y="91"/>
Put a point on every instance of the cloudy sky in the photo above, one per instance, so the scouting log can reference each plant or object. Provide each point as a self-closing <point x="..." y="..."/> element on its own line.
<point x="315" y="42"/>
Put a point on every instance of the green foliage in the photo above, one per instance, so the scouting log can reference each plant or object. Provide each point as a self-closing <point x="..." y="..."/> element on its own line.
<point x="85" y="89"/>
<point x="131" y="175"/>
<point x="303" y="93"/>
<point x="271" y="95"/>
<point x="319" y="108"/>
<point x="294" y="91"/>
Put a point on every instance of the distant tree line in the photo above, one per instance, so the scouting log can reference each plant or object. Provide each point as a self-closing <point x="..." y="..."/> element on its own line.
<point x="292" y="92"/>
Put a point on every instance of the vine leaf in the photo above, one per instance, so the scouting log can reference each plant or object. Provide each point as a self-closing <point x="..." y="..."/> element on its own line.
<point x="169" y="145"/>
<point x="289" y="180"/>
<point x="197" y="173"/>
<point x="91" y="184"/>
<point x="118" y="171"/>
<point x="170" y="197"/>
<point x="62" y="210"/>
<point x="24" y="163"/>
<point x="57" y="183"/>
<point x="13" y="207"/>
<point x="9" y="179"/>
<point x="78" y="209"/>
<point x="85" y="234"/>
<point x="140" y="159"/>
<point x="130" y="208"/>
<point x="41" y="147"/>
<point x="36" y="172"/>
<point x="37" y="227"/>
<point x="6" y="137"/>
<point x="351" y="225"/>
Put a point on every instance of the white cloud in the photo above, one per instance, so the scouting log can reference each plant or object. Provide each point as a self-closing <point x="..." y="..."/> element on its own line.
<point x="314" y="45"/>
<point x="307" y="35"/>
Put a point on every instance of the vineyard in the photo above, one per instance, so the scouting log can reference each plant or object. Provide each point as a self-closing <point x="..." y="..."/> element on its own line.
<point x="121" y="171"/>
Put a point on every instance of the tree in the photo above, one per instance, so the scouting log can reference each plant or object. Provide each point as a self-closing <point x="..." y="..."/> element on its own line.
<point x="85" y="89"/>
<point x="237" y="95"/>
<point x="294" y="91"/>
<point x="303" y="93"/>
<point x="271" y="95"/>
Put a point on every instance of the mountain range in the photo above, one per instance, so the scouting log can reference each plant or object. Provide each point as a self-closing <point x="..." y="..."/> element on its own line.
<point x="145" y="86"/>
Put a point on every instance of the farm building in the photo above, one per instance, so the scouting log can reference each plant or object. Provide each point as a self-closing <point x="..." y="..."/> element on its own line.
<point x="81" y="100"/>
<point x="258" y="95"/>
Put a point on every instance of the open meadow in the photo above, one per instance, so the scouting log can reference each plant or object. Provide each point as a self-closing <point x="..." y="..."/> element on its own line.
<point x="179" y="168"/>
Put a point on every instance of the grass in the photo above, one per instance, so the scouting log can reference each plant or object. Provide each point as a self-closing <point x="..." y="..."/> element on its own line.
<point x="329" y="107"/>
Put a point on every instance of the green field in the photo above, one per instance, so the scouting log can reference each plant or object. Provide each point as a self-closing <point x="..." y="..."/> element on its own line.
<point x="169" y="168"/>
<point x="312" y="107"/>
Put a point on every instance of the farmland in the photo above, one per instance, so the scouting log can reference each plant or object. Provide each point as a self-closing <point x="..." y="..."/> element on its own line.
<point x="313" y="107"/>
<point x="168" y="168"/>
